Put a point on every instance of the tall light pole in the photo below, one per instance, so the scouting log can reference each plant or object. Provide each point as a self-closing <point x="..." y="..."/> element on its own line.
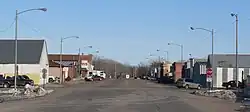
<point x="61" y="48"/>
<point x="212" y="46"/>
<point x="181" y="46"/>
<point x="95" y="63"/>
<point x="236" y="47"/>
<point x="18" y="13"/>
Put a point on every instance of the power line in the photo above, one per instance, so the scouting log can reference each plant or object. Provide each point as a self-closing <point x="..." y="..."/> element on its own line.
<point x="6" y="29"/>
<point x="32" y="28"/>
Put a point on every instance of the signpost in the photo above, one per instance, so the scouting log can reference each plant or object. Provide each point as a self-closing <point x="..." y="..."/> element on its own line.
<point x="209" y="77"/>
<point x="44" y="71"/>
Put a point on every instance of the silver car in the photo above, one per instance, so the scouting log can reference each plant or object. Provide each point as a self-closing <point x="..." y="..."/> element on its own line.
<point x="187" y="83"/>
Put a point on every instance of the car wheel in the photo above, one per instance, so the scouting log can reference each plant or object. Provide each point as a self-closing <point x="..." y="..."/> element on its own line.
<point x="51" y="80"/>
<point x="5" y="85"/>
<point x="228" y="86"/>
<point x="186" y="86"/>
<point x="199" y="87"/>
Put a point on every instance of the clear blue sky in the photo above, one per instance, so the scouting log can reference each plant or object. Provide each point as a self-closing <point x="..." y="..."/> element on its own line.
<point x="129" y="30"/>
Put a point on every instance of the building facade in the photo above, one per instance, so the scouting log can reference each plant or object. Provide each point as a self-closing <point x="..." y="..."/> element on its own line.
<point x="73" y="65"/>
<point x="224" y="70"/>
<point x="176" y="70"/>
<point x="32" y="58"/>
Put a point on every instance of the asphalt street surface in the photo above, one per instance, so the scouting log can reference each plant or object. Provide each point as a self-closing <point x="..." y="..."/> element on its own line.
<point x="120" y="96"/>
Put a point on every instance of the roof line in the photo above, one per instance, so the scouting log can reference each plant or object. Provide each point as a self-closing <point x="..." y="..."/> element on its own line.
<point x="21" y="39"/>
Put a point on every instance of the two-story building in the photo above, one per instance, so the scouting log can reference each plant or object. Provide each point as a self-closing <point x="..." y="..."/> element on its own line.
<point x="72" y="65"/>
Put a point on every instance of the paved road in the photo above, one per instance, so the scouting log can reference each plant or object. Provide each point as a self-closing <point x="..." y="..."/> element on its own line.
<point x="120" y="96"/>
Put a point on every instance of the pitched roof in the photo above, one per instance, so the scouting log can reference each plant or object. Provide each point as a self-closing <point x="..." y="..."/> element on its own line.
<point x="28" y="51"/>
<point x="228" y="60"/>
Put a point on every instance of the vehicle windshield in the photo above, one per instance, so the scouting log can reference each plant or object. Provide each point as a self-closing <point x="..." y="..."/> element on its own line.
<point x="20" y="77"/>
<point x="180" y="80"/>
<point x="25" y="77"/>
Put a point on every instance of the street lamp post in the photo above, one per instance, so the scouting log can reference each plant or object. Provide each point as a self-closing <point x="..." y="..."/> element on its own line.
<point x="61" y="48"/>
<point x="96" y="59"/>
<point x="212" y="46"/>
<point x="166" y="55"/>
<point x="236" y="47"/>
<point x="181" y="46"/>
<point x="16" y="18"/>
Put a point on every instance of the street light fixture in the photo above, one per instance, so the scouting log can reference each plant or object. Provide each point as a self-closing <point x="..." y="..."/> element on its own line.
<point x="166" y="56"/>
<point x="236" y="47"/>
<point x="61" y="48"/>
<point x="181" y="46"/>
<point x="212" y="34"/>
<point x="79" y="60"/>
<point x="18" y="13"/>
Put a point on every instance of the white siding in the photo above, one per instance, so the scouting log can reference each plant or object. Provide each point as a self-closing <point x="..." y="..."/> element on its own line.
<point x="44" y="63"/>
<point x="65" y="71"/>
<point x="22" y="68"/>
<point x="240" y="74"/>
<point x="230" y="74"/>
<point x="203" y="69"/>
<point x="219" y="77"/>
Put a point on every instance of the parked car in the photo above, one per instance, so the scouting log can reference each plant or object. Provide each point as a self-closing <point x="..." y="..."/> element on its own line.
<point x="232" y="84"/>
<point x="51" y="79"/>
<point x="187" y="83"/>
<point x="97" y="78"/>
<point x="21" y="81"/>
<point x="166" y="80"/>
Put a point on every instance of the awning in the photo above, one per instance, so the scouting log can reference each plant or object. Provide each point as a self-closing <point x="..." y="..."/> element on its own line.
<point x="65" y="63"/>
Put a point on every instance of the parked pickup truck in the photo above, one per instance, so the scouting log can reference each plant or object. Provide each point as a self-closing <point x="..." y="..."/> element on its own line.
<point x="232" y="84"/>
<point x="21" y="81"/>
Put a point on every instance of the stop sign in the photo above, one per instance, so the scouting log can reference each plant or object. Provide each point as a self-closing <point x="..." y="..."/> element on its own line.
<point x="209" y="72"/>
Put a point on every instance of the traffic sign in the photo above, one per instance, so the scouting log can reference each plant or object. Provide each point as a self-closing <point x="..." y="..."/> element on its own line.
<point x="44" y="71"/>
<point x="209" y="72"/>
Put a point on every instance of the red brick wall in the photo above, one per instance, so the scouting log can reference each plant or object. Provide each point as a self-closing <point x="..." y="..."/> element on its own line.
<point x="178" y="71"/>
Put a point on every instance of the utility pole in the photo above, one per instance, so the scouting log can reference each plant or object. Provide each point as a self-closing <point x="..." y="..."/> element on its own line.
<point x="115" y="71"/>
<point x="79" y="64"/>
<point x="236" y="47"/>
<point x="61" y="70"/>
<point x="15" y="67"/>
<point x="236" y="51"/>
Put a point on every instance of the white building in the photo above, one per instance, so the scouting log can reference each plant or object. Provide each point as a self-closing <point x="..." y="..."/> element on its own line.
<point x="224" y="68"/>
<point x="32" y="59"/>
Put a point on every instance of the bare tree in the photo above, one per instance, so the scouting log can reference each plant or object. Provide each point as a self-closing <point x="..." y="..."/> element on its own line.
<point x="111" y="67"/>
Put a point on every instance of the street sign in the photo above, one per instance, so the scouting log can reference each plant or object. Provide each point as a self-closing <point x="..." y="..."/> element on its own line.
<point x="209" y="72"/>
<point x="44" y="71"/>
<point x="209" y="79"/>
